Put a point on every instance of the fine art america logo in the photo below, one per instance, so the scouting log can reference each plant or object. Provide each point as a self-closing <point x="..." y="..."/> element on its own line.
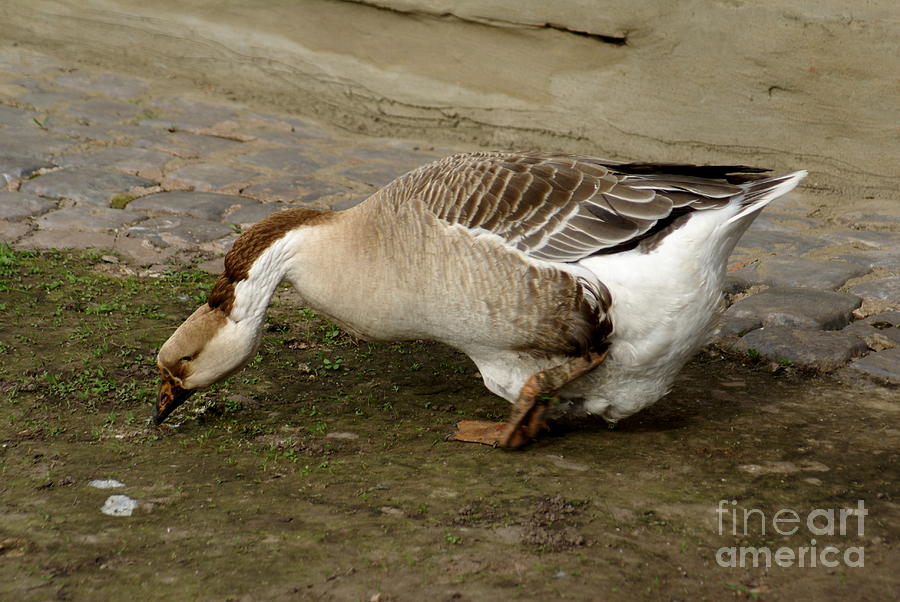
<point x="820" y="522"/>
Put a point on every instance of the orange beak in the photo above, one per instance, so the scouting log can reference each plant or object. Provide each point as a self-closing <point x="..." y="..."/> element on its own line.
<point x="171" y="395"/>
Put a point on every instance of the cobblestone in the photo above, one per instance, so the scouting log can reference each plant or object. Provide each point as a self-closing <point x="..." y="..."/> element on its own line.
<point x="408" y="158"/>
<point x="106" y="133"/>
<point x="888" y="319"/>
<point x="189" y="114"/>
<point x="797" y="308"/>
<point x="130" y="159"/>
<point x="780" y="242"/>
<point x="178" y="231"/>
<point x="882" y="365"/>
<point x="212" y="177"/>
<point x="248" y="215"/>
<point x="291" y="136"/>
<point x="88" y="219"/>
<point x="14" y="168"/>
<point x="303" y="189"/>
<point x="888" y="259"/>
<point x="879" y="240"/>
<point x="13" y="91"/>
<point x="801" y="272"/>
<point x="810" y="349"/>
<point x="202" y="205"/>
<point x="881" y="331"/>
<point x="12" y="231"/>
<point x="184" y="144"/>
<point x="375" y="176"/>
<point x="89" y="185"/>
<point x="887" y="289"/>
<point x="31" y="141"/>
<point x="134" y="250"/>
<point x="45" y="99"/>
<point x="732" y="326"/>
<point x="192" y="170"/>
<point x="104" y="111"/>
<point x="11" y="116"/>
<point x="289" y="160"/>
<point x="772" y="220"/>
<point x="869" y="221"/>
<point x="17" y="205"/>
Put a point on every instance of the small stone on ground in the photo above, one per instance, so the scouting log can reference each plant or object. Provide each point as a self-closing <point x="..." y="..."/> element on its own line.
<point x="801" y="272"/>
<point x="797" y="308"/>
<point x="887" y="289"/>
<point x="883" y="365"/>
<point x="810" y="349"/>
<point x="119" y="505"/>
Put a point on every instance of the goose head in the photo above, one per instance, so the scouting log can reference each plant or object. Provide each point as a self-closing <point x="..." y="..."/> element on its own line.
<point x="223" y="334"/>
<point x="207" y="348"/>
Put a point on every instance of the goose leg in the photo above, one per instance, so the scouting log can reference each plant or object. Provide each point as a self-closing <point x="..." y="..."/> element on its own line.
<point x="527" y="417"/>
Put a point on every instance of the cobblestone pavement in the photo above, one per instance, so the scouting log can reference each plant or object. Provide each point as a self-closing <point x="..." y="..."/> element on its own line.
<point x="95" y="159"/>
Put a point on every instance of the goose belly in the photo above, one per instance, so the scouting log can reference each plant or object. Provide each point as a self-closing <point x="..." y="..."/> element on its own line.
<point x="664" y="306"/>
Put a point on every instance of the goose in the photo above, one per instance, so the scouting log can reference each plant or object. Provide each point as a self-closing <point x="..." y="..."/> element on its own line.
<point x="586" y="279"/>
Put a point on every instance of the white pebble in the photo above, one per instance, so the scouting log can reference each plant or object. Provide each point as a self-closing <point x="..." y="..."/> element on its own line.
<point x="106" y="483"/>
<point x="119" y="505"/>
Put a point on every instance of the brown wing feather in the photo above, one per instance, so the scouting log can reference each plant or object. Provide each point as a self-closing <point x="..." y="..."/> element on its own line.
<point x="562" y="208"/>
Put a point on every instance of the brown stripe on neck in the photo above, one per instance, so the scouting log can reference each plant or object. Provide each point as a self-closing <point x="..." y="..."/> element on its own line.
<point x="252" y="243"/>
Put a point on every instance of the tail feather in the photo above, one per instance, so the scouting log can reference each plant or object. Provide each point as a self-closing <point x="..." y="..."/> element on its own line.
<point x="759" y="193"/>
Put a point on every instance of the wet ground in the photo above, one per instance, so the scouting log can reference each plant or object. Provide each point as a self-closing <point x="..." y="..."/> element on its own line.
<point x="320" y="472"/>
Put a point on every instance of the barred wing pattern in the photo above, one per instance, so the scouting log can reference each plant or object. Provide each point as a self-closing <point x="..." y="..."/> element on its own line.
<point x="564" y="208"/>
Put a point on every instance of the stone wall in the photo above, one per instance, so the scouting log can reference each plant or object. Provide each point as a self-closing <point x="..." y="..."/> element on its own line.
<point x="786" y="84"/>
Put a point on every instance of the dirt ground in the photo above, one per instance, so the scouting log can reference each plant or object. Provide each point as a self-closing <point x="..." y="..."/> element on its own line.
<point x="320" y="472"/>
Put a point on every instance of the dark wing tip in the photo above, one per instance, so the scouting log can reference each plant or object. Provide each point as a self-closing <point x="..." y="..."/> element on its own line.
<point x="734" y="174"/>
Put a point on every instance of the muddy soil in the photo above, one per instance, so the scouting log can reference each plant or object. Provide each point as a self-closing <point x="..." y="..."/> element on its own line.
<point x="320" y="472"/>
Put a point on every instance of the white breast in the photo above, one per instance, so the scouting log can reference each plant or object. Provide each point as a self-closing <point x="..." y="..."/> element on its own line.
<point x="664" y="305"/>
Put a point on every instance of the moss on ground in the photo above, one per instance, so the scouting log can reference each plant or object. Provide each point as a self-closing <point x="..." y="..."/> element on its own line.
<point x="321" y="472"/>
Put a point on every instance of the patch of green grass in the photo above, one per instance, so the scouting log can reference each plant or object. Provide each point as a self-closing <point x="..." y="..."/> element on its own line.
<point x="330" y="333"/>
<point x="120" y="201"/>
<point x="736" y="587"/>
<point x="147" y="114"/>
<point x="104" y="308"/>
<point x="332" y="365"/>
<point x="85" y="339"/>
<point x="318" y="429"/>
<point x="8" y="259"/>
